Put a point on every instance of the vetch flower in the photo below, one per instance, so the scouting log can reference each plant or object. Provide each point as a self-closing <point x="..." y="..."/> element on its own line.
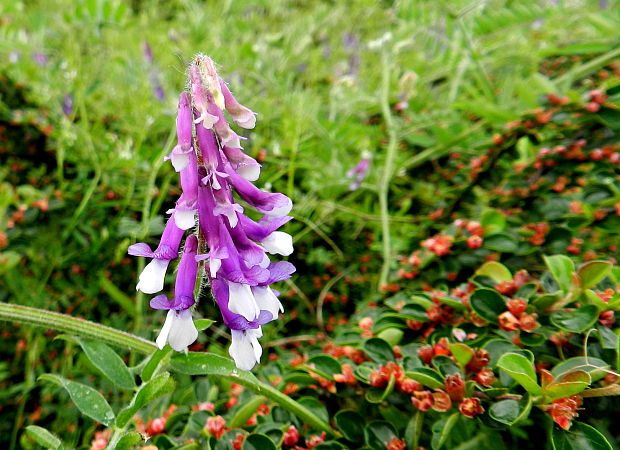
<point x="179" y="329"/>
<point x="151" y="280"/>
<point x="233" y="248"/>
<point x="360" y="171"/>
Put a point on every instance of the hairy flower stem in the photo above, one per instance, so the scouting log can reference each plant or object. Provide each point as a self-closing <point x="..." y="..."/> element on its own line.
<point x="64" y="323"/>
<point x="388" y="167"/>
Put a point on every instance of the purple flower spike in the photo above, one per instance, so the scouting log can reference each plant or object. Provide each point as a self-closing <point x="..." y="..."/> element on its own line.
<point x="212" y="167"/>
<point x="151" y="279"/>
<point x="359" y="172"/>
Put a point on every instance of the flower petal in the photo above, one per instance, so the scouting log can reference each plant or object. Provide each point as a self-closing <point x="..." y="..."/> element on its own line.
<point x="278" y="242"/>
<point x="151" y="279"/>
<point x="183" y="332"/>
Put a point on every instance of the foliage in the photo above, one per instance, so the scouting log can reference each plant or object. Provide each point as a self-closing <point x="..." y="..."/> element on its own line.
<point x="492" y="207"/>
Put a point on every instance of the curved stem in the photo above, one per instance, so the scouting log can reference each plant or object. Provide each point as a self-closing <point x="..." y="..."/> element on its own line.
<point x="388" y="168"/>
<point x="62" y="322"/>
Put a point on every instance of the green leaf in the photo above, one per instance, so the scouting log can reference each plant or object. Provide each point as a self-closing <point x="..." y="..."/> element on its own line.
<point x="497" y="348"/>
<point x="117" y="295"/>
<point x="203" y="324"/>
<point x="90" y="402"/>
<point x="414" y="429"/>
<point x="495" y="271"/>
<point x="576" y="321"/>
<point x="545" y="301"/>
<point x="127" y="442"/>
<point x="487" y="303"/>
<point x="441" y="430"/>
<point x="462" y="353"/>
<point x="579" y="437"/>
<point x="149" y="391"/>
<point x="522" y="370"/>
<point x="351" y="424"/>
<point x="154" y="362"/>
<point x="326" y="364"/>
<point x="607" y="338"/>
<point x="570" y="384"/>
<point x="246" y="410"/>
<point x="590" y="365"/>
<point x="378" y="434"/>
<point x="501" y="242"/>
<point x="317" y="408"/>
<point x="505" y="411"/>
<point x="445" y="365"/>
<point x="108" y="363"/>
<point x="378" y="350"/>
<point x="492" y="221"/>
<point x="392" y="335"/>
<point x="43" y="437"/>
<point x="258" y="442"/>
<point x="428" y="377"/>
<point x="592" y="272"/>
<point x="562" y="269"/>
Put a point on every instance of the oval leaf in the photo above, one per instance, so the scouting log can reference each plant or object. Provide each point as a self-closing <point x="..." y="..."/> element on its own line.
<point x="108" y="363"/>
<point x="579" y="437"/>
<point x="522" y="370"/>
<point x="561" y="268"/>
<point x="576" y="321"/>
<point x="351" y="424"/>
<point x="43" y="437"/>
<point x="378" y="350"/>
<point x="487" y="303"/>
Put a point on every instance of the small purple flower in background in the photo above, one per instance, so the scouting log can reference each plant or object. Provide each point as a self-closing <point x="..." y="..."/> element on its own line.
<point x="40" y="58"/>
<point x="67" y="104"/>
<point x="158" y="90"/>
<point x="233" y="248"/>
<point x="360" y="171"/>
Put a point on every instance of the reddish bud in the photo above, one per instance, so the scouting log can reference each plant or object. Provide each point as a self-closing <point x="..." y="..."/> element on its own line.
<point x="471" y="407"/>
<point x="508" y="322"/>
<point x="441" y="401"/>
<point x="517" y="306"/>
<point x="291" y="436"/>
<point x="485" y="377"/>
<point x="455" y="387"/>
<point x="216" y="426"/>
<point x="423" y="400"/>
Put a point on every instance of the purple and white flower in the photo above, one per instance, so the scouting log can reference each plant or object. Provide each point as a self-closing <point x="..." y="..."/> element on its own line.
<point x="234" y="248"/>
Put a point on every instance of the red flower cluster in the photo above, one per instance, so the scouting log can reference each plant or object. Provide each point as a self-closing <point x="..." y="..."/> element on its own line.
<point x="564" y="410"/>
<point x="516" y="318"/>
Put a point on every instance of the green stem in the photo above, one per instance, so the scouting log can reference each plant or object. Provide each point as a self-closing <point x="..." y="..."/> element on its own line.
<point x="388" y="169"/>
<point x="84" y="328"/>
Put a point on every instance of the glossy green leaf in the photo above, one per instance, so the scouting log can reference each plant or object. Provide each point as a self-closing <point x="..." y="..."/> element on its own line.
<point x="562" y="269"/>
<point x="570" y="384"/>
<point x="90" y="402"/>
<point x="203" y="324"/>
<point x="378" y="434"/>
<point x="127" y="442"/>
<point x="43" y="437"/>
<point x="487" y="303"/>
<point x="258" y="442"/>
<point x="579" y="437"/>
<point x="350" y="424"/>
<point x="441" y="430"/>
<point x="575" y="321"/>
<point x="462" y="353"/>
<point x="378" y="350"/>
<point x="428" y="377"/>
<point x="593" y="366"/>
<point x="501" y="242"/>
<point x="505" y="411"/>
<point x="375" y="395"/>
<point x="317" y="408"/>
<point x="545" y="301"/>
<point x="149" y="391"/>
<point x="156" y="360"/>
<point x="592" y="272"/>
<point x="445" y="365"/>
<point x="325" y="365"/>
<point x="522" y="370"/>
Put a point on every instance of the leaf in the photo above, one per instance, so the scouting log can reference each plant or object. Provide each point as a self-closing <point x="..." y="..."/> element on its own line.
<point x="590" y="365"/>
<point x="561" y="268"/>
<point x="495" y="271"/>
<point x="326" y="364"/>
<point x="374" y="395"/>
<point x="127" y="442"/>
<point x="462" y="353"/>
<point x="607" y="338"/>
<point x="246" y="410"/>
<point x="592" y="272"/>
<point x="90" y="402"/>
<point x="522" y="370"/>
<point x="487" y="303"/>
<point x="117" y="295"/>
<point x="378" y="434"/>
<point x="501" y="242"/>
<point x="351" y="424"/>
<point x="576" y="321"/>
<point x="203" y="324"/>
<point x="441" y="430"/>
<point x="378" y="350"/>
<point x="505" y="411"/>
<point x="610" y="117"/>
<point x="446" y="365"/>
<point x="154" y="362"/>
<point x="579" y="437"/>
<point x="149" y="391"/>
<point x="43" y="437"/>
<point x="497" y="348"/>
<point x="492" y="221"/>
<point x="258" y="442"/>
<point x="570" y="384"/>
<point x="108" y="363"/>
<point x="545" y="301"/>
<point x="317" y="408"/>
<point x="428" y="377"/>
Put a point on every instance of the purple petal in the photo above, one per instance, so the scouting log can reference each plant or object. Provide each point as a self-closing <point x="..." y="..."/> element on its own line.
<point x="161" y="302"/>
